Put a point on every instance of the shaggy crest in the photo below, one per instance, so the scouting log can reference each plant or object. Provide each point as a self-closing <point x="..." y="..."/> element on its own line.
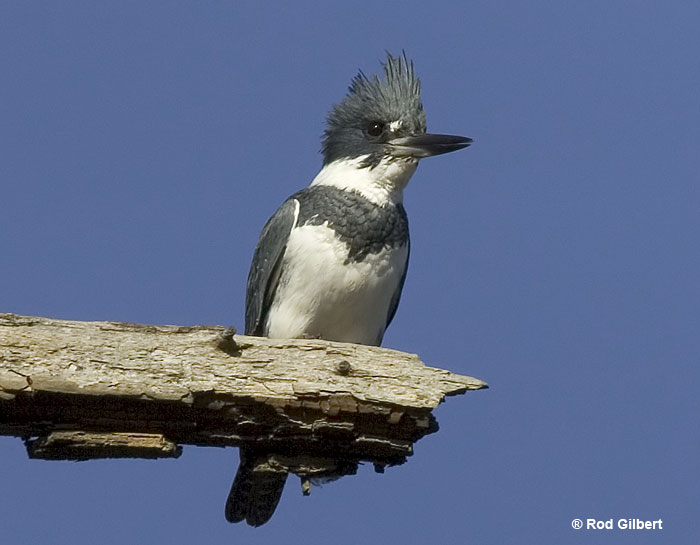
<point x="371" y="100"/>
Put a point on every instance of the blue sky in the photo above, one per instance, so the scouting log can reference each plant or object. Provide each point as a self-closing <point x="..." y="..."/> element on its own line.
<point x="145" y="144"/>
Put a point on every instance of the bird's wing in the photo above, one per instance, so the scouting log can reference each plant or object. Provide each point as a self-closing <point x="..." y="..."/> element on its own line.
<point x="266" y="266"/>
<point x="394" y="304"/>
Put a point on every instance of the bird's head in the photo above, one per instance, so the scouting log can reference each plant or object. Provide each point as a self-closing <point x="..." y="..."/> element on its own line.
<point x="383" y="121"/>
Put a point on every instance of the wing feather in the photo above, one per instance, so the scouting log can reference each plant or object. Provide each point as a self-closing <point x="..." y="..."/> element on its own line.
<point x="266" y="266"/>
<point x="394" y="304"/>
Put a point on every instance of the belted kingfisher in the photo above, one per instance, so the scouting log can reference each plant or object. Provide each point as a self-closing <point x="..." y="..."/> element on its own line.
<point x="331" y="262"/>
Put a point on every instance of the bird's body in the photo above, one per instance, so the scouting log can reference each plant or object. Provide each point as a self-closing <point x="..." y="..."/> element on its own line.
<point x="331" y="262"/>
<point x="343" y="266"/>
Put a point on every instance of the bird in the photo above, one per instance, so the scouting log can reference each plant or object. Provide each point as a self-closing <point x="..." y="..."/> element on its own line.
<point x="331" y="262"/>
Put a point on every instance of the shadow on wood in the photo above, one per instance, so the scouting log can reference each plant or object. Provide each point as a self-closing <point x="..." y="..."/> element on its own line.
<point x="82" y="390"/>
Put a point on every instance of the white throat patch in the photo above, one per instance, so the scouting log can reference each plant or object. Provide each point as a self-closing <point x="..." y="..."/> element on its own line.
<point x="381" y="184"/>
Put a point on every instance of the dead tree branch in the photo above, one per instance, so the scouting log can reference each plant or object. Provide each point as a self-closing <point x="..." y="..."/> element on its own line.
<point x="80" y="390"/>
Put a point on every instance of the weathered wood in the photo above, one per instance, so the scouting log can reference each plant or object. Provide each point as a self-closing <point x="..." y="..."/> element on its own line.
<point x="314" y="405"/>
<point x="81" y="445"/>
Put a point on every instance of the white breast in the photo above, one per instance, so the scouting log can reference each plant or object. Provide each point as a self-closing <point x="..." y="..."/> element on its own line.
<point x="319" y="295"/>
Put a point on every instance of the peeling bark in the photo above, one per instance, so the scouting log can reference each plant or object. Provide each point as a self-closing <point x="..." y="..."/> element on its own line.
<point x="78" y="390"/>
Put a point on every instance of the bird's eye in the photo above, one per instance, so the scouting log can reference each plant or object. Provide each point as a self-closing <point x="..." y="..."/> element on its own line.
<point x="376" y="128"/>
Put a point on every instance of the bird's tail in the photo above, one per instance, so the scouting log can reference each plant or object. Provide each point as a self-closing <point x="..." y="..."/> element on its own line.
<point x="255" y="491"/>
